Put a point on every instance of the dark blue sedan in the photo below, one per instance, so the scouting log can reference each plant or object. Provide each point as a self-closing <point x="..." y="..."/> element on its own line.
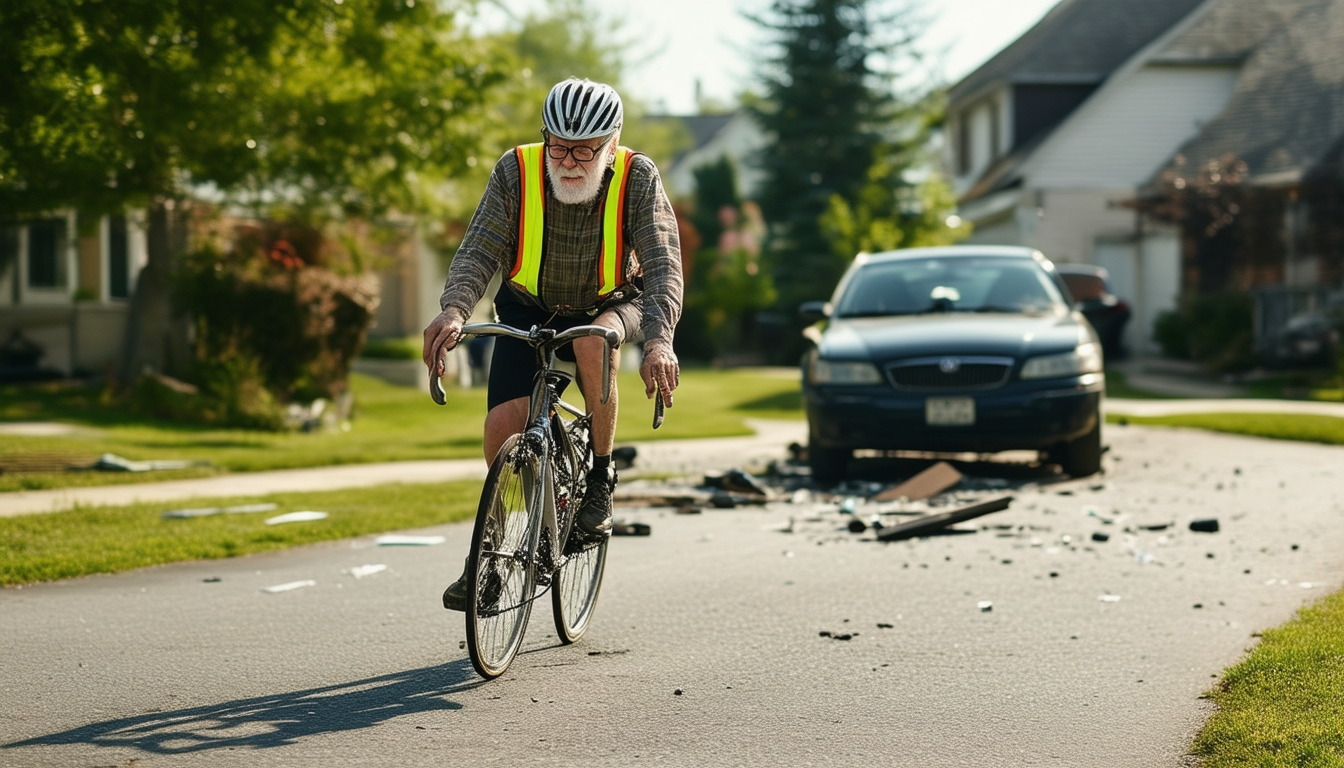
<point x="958" y="349"/>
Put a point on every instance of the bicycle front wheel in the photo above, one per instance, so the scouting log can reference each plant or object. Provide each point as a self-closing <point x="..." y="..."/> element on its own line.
<point x="574" y="594"/>
<point x="502" y="563"/>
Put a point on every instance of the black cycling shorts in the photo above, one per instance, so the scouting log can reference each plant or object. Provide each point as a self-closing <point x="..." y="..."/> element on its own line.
<point x="513" y="365"/>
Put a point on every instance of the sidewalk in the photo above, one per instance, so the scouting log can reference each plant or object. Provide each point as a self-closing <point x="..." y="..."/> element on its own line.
<point x="1174" y="378"/>
<point x="1200" y="393"/>
<point x="668" y="455"/>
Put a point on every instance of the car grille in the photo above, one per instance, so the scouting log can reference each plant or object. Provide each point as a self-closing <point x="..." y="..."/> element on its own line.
<point x="951" y="372"/>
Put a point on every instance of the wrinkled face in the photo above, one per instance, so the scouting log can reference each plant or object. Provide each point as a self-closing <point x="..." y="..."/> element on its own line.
<point x="577" y="182"/>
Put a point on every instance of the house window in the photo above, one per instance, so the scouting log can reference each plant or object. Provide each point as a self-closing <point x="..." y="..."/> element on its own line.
<point x="963" y="144"/>
<point x="118" y="259"/>
<point x="46" y="254"/>
<point x="994" y="131"/>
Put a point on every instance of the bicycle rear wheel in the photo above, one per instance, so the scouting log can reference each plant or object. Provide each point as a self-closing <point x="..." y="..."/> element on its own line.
<point x="501" y="564"/>
<point x="579" y="579"/>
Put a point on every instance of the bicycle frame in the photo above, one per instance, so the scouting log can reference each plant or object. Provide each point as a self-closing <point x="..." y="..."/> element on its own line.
<point x="538" y="437"/>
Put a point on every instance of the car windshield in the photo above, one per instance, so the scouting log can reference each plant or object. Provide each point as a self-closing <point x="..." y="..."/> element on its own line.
<point x="958" y="284"/>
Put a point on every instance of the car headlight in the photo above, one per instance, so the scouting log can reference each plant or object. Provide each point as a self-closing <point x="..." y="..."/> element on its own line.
<point x="1085" y="359"/>
<point x="829" y="372"/>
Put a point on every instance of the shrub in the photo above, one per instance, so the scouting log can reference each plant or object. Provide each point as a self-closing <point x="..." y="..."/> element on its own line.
<point x="408" y="348"/>
<point x="272" y="322"/>
<point x="1213" y="329"/>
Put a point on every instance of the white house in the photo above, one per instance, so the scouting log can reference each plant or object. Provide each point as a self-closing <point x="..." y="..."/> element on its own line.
<point x="65" y="286"/>
<point x="1056" y="134"/>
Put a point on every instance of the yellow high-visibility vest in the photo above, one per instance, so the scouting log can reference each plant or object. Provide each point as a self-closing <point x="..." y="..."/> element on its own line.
<point x="526" y="272"/>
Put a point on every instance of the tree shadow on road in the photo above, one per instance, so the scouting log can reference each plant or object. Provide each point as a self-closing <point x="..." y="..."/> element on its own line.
<point x="278" y="720"/>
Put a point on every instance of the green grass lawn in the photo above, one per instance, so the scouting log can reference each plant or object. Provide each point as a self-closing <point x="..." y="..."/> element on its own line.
<point x="1280" y="426"/>
<point x="1283" y="705"/>
<point x="390" y="423"/>
<point x="90" y="540"/>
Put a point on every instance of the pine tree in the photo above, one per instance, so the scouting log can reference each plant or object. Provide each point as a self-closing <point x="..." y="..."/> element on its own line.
<point x="832" y="113"/>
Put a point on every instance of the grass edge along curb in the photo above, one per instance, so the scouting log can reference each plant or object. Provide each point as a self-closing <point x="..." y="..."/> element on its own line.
<point x="1300" y="427"/>
<point x="1283" y="704"/>
<point x="91" y="540"/>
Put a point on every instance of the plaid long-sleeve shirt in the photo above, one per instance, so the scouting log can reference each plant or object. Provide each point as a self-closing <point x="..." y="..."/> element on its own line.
<point x="573" y="233"/>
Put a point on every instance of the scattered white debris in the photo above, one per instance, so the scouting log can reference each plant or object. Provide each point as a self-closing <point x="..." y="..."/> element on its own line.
<point x="1108" y="598"/>
<point x="1305" y="585"/>
<point x="360" y="571"/>
<point x="985" y="606"/>
<point x="397" y="540"/>
<point x="304" y="516"/>
<point x="288" y="586"/>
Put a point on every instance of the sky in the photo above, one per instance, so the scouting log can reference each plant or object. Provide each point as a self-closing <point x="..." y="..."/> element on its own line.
<point x="711" y="42"/>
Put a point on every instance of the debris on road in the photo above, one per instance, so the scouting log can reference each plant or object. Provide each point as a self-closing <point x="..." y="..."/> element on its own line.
<point x="1101" y="536"/>
<point x="930" y="482"/>
<point x="395" y="540"/>
<point x="985" y="606"/>
<point x="360" y="571"/>
<point x="304" y="516"/>
<point x="624" y="456"/>
<point x="110" y="462"/>
<point x="181" y="514"/>
<point x="736" y="480"/>
<point x="289" y="586"/>
<point x="934" y="522"/>
<point x="630" y="529"/>
<point x="1109" y="598"/>
<point x="1205" y="525"/>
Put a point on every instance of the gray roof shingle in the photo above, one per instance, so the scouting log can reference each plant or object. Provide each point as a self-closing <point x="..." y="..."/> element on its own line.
<point x="1078" y="41"/>
<point x="1286" y="113"/>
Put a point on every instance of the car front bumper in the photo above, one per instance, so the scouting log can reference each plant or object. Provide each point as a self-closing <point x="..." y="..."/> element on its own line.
<point x="1020" y="415"/>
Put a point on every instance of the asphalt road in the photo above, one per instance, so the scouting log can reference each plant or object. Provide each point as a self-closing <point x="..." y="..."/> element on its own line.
<point x="194" y="665"/>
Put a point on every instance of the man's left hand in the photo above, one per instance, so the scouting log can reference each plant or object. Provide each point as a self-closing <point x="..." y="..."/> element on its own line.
<point x="661" y="372"/>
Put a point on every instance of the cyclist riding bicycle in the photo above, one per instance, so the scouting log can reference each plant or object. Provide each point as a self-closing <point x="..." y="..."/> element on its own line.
<point x="584" y="234"/>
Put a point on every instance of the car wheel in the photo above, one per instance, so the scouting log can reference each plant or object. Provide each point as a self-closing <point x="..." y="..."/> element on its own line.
<point x="828" y="464"/>
<point x="1080" y="457"/>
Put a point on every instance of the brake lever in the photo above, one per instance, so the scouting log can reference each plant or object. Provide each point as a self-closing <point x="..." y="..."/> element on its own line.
<point x="436" y="388"/>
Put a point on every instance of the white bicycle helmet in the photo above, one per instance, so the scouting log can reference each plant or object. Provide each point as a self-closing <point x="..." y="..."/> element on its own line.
<point x="581" y="109"/>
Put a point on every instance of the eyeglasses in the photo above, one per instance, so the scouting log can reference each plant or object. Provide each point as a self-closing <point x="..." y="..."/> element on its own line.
<point x="581" y="153"/>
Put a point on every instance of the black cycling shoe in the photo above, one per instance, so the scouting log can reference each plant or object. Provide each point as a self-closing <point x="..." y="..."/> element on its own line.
<point x="455" y="596"/>
<point x="593" y="523"/>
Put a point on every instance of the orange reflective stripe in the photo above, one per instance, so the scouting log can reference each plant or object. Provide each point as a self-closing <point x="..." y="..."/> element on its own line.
<point x="526" y="272"/>
<point x="610" y="268"/>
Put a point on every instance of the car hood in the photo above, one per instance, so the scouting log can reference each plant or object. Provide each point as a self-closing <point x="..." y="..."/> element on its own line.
<point x="990" y="334"/>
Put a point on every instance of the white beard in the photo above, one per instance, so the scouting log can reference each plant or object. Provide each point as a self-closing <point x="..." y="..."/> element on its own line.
<point x="591" y="174"/>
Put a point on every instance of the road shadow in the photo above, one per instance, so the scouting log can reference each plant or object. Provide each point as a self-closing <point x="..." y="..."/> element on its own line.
<point x="265" y="722"/>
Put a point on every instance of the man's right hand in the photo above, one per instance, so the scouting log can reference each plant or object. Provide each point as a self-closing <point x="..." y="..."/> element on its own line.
<point x="441" y="335"/>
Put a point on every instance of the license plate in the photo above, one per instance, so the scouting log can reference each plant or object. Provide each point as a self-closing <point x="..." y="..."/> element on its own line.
<point x="949" y="411"/>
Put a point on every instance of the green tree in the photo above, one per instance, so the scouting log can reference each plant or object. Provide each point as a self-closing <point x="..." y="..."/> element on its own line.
<point x="726" y="286"/>
<point x="563" y="38"/>
<point x="838" y="127"/>
<point x="892" y="213"/>
<point x="331" y="108"/>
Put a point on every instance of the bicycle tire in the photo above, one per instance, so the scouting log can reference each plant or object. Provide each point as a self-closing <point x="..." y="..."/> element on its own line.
<point x="501" y="564"/>
<point x="578" y="581"/>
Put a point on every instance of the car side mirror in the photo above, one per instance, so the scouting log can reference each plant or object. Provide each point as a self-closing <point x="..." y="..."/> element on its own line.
<point x="814" y="311"/>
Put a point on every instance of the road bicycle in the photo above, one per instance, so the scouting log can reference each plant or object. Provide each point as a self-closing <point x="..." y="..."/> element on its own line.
<point x="520" y="547"/>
